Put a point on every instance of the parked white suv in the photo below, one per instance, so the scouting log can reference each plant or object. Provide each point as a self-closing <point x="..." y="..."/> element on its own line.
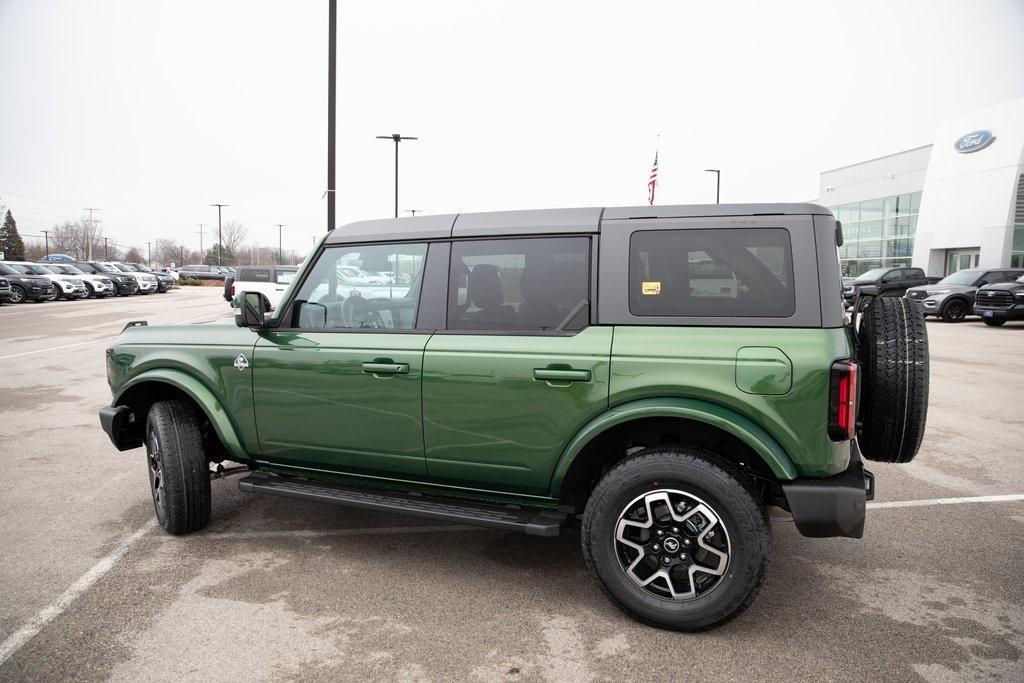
<point x="64" y="286"/>
<point x="98" y="286"/>
<point x="147" y="281"/>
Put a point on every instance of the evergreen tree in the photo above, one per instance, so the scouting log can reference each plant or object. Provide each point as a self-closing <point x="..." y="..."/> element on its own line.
<point x="10" y="241"/>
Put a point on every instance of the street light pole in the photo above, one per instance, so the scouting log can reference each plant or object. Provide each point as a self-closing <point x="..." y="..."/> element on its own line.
<point x="280" y="249"/>
<point x="718" y="181"/>
<point x="220" y="238"/>
<point x="202" y="255"/>
<point x="90" y="232"/>
<point x="332" y="91"/>
<point x="397" y="138"/>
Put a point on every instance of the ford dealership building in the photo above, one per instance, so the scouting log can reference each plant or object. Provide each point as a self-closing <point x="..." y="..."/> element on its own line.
<point x="957" y="203"/>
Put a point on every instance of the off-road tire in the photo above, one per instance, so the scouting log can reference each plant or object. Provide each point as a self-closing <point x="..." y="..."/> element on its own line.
<point x="697" y="473"/>
<point x="893" y="352"/>
<point x="173" y="427"/>
<point x="994" y="322"/>
<point x="954" y="311"/>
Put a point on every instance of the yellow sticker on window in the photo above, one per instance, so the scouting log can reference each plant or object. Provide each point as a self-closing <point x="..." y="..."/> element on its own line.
<point x="650" y="288"/>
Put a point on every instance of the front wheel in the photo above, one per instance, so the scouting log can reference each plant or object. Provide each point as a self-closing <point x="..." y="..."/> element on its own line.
<point x="18" y="294"/>
<point x="676" y="540"/>
<point x="994" y="322"/>
<point x="179" y="476"/>
<point x="954" y="311"/>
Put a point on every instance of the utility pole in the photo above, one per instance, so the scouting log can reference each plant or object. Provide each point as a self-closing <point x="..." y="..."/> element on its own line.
<point x="397" y="138"/>
<point x="46" y="236"/>
<point x="412" y="211"/>
<point x="181" y="256"/>
<point x="149" y="251"/>
<point x="280" y="249"/>
<point x="106" y="250"/>
<point x="90" y="231"/>
<point x="332" y="93"/>
<point x="718" y="181"/>
<point x="220" y="238"/>
<point x="202" y="254"/>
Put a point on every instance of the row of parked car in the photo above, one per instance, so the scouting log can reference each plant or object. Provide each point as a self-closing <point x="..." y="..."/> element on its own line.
<point x="994" y="294"/>
<point x="25" y="281"/>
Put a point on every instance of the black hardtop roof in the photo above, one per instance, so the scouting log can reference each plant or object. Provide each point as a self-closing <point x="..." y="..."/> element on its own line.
<point x="544" y="221"/>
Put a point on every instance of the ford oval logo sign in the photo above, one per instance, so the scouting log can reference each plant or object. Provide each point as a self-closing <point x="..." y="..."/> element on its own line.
<point x="973" y="141"/>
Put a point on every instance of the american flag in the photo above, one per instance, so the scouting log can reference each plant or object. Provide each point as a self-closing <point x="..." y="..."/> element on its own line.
<point x="653" y="181"/>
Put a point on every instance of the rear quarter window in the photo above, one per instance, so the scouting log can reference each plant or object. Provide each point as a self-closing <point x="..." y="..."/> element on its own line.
<point x="253" y="275"/>
<point x="726" y="272"/>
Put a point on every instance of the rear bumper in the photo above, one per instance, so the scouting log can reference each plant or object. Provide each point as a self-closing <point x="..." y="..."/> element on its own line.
<point x="833" y="506"/>
<point x="120" y="425"/>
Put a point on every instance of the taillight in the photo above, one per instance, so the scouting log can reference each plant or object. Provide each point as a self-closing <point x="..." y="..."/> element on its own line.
<point x="842" y="402"/>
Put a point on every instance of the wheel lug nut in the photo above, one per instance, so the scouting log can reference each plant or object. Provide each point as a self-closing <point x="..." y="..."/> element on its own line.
<point x="660" y="532"/>
<point x="686" y="541"/>
<point x="667" y="560"/>
<point x="655" y="547"/>
<point x="675" y="530"/>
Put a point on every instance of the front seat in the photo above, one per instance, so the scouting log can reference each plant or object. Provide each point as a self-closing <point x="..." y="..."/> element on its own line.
<point x="484" y="290"/>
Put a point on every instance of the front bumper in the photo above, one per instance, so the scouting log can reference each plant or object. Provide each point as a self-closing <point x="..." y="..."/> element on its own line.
<point x="126" y="287"/>
<point x="120" y="424"/>
<point x="5" y="295"/>
<point x="833" y="506"/>
<point x="1015" y="312"/>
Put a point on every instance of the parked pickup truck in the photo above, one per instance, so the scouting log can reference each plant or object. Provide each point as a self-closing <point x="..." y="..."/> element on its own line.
<point x="271" y="281"/>
<point x="536" y="370"/>
<point x="888" y="282"/>
<point x="997" y="303"/>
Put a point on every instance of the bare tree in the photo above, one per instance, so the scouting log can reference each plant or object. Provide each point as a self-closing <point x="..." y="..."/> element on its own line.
<point x="74" y="238"/>
<point x="133" y="255"/>
<point x="233" y="236"/>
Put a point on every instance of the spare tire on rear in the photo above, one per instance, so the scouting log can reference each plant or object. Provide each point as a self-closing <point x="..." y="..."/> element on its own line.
<point x="893" y="352"/>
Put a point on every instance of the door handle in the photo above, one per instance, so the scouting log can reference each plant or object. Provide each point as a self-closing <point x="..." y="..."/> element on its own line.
<point x="557" y="375"/>
<point x="386" y="368"/>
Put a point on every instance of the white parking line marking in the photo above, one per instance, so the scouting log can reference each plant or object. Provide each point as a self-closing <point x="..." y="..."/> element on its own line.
<point x="18" y="639"/>
<point x="93" y="341"/>
<point x="947" y="501"/>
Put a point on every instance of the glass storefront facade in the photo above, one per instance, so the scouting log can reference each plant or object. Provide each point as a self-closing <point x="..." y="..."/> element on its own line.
<point x="877" y="232"/>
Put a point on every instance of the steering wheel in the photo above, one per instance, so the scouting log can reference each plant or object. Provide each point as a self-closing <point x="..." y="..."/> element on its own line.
<point x="356" y="312"/>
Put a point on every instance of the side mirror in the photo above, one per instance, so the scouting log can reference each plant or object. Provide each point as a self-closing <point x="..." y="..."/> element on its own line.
<point x="252" y="310"/>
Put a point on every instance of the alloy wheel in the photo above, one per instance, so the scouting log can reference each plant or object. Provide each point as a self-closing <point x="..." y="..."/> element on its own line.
<point x="156" y="477"/>
<point x="17" y="295"/>
<point x="672" y="544"/>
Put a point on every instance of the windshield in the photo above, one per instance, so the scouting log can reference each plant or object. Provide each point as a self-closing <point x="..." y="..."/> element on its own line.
<point x="86" y="268"/>
<point x="105" y="268"/>
<point x="144" y="268"/>
<point x="960" y="277"/>
<point x="7" y="270"/>
<point x="1020" y="280"/>
<point x="872" y="275"/>
<point x="38" y="270"/>
<point x="122" y="267"/>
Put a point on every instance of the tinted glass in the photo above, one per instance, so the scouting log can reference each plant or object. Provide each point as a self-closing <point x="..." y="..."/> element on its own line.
<point x="328" y="299"/>
<point x="7" y="270"/>
<point x="253" y="275"/>
<point x="520" y="285"/>
<point x="741" y="272"/>
<point x="284" y="277"/>
<point x="961" y="277"/>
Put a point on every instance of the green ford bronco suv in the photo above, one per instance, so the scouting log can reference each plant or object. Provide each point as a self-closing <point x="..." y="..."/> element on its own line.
<point x="654" y="376"/>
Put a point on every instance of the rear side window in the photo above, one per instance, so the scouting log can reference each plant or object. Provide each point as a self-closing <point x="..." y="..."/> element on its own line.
<point x="520" y="285"/>
<point x="253" y="275"/>
<point x="284" y="277"/>
<point x="727" y="272"/>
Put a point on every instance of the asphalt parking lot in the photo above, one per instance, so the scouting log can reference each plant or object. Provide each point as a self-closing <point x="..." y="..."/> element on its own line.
<point x="277" y="588"/>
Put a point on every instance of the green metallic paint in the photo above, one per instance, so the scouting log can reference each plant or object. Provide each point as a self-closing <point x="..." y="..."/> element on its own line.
<point x="199" y="359"/>
<point x="763" y="370"/>
<point x="702" y="411"/>
<point x="490" y="423"/>
<point x="699" y="363"/>
<point x="317" y="406"/>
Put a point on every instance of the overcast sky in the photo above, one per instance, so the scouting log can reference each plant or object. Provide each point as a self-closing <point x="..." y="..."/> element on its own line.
<point x="153" y="110"/>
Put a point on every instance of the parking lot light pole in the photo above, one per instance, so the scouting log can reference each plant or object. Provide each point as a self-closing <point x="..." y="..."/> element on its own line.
<point x="280" y="249"/>
<point x="220" y="243"/>
<point x="397" y="137"/>
<point x="718" y="180"/>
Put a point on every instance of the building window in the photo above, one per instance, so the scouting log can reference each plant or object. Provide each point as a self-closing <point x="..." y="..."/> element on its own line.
<point x="878" y="232"/>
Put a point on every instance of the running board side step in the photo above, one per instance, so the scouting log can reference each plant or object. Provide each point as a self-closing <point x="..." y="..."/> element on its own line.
<point x="529" y="521"/>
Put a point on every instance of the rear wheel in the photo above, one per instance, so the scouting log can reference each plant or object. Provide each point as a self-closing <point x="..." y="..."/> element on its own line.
<point x="994" y="322"/>
<point x="954" y="311"/>
<point x="179" y="475"/>
<point x="676" y="540"/>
